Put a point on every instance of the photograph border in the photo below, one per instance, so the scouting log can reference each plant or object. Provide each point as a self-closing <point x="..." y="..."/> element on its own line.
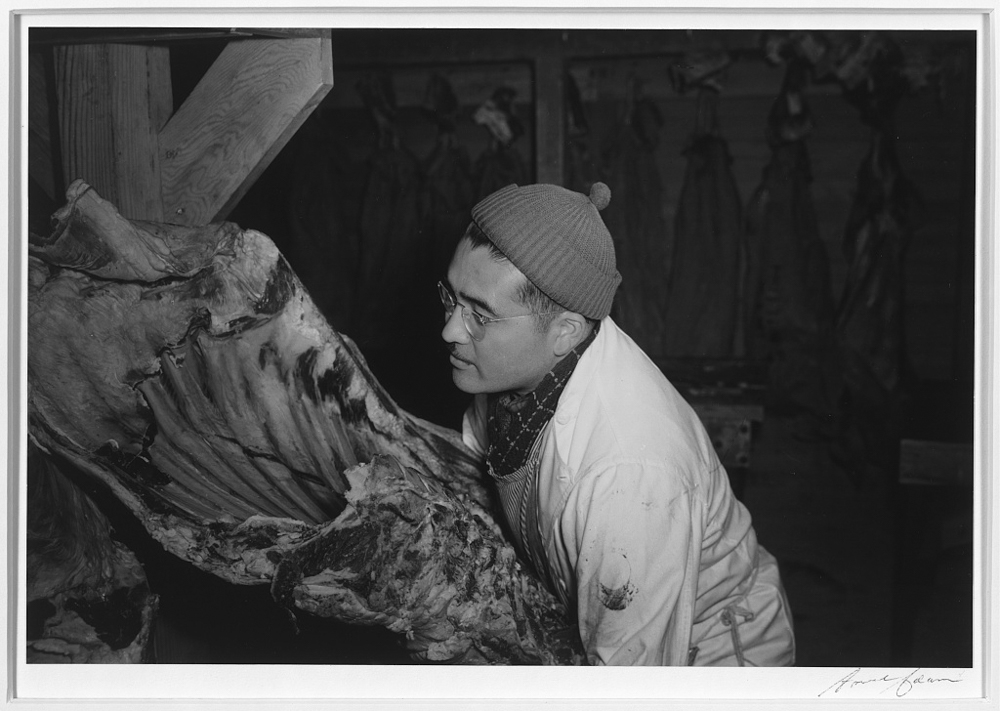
<point x="225" y="686"/>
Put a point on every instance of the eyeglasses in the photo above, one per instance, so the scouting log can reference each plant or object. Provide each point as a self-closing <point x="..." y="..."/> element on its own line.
<point x="475" y="322"/>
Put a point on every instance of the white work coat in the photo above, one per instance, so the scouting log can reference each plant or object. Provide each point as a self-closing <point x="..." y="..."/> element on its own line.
<point x="639" y="529"/>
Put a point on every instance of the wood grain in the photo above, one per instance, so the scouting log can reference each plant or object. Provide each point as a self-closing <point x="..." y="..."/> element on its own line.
<point x="135" y="135"/>
<point x="106" y="99"/>
<point x="84" y="115"/>
<point x="241" y="114"/>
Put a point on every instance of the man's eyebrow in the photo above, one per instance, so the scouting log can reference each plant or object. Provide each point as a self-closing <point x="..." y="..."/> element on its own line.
<point x="477" y="302"/>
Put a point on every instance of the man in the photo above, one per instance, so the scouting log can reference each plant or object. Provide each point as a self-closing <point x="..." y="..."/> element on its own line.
<point x="610" y="487"/>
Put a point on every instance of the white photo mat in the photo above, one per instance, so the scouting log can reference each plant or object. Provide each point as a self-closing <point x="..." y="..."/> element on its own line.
<point x="376" y="687"/>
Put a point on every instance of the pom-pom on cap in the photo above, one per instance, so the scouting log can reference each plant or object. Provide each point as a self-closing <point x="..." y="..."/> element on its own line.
<point x="600" y="195"/>
<point x="556" y="237"/>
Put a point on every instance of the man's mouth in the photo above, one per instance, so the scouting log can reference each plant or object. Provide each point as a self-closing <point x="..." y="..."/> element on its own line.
<point x="458" y="361"/>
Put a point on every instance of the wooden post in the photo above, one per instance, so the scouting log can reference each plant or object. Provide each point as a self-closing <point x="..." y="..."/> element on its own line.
<point x="242" y="113"/>
<point x="111" y="102"/>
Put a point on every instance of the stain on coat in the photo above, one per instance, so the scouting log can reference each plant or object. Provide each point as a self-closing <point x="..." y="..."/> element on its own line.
<point x="617" y="598"/>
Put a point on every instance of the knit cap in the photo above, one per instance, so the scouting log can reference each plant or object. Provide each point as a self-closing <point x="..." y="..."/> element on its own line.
<point x="556" y="237"/>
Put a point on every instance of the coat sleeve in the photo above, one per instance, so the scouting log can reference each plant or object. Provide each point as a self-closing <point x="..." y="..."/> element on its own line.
<point x="474" y="426"/>
<point x="634" y="545"/>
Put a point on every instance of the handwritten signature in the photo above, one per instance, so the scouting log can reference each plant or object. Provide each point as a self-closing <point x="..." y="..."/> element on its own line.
<point x="899" y="685"/>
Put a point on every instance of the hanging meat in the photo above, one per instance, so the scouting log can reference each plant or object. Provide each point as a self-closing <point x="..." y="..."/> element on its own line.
<point x="449" y="191"/>
<point x="788" y="303"/>
<point x="582" y="169"/>
<point x="869" y="317"/>
<point x="393" y="253"/>
<point x="500" y="164"/>
<point x="636" y="222"/>
<point x="704" y="287"/>
<point x="188" y="373"/>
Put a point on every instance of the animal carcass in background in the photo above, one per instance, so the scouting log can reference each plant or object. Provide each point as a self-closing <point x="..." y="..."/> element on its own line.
<point x="448" y="191"/>
<point x="788" y="301"/>
<point x="869" y="320"/>
<point x="636" y="222"/>
<point x="393" y="255"/>
<point x="704" y="291"/>
<point x="500" y="164"/>
<point x="188" y="371"/>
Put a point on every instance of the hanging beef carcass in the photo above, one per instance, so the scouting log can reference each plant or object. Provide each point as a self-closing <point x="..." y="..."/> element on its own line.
<point x="636" y="221"/>
<point x="395" y="299"/>
<point x="582" y="169"/>
<point x="788" y="304"/>
<point x="703" y="297"/>
<point x="447" y="194"/>
<point x="870" y="312"/>
<point x="448" y="191"/>
<point x="187" y="371"/>
<point x="393" y="252"/>
<point x="869" y="319"/>
<point x="870" y="315"/>
<point x="500" y="164"/>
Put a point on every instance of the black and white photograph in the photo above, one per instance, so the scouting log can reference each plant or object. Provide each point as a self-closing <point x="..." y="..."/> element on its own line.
<point x="384" y="351"/>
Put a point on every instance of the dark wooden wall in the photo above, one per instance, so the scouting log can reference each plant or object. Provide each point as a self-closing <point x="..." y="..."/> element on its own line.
<point x="935" y="136"/>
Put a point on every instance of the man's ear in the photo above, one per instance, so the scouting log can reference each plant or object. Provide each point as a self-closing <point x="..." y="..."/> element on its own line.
<point x="570" y="330"/>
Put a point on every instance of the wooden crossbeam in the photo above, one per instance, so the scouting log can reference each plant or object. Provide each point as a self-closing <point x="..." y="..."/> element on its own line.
<point x="242" y="113"/>
<point x="117" y="129"/>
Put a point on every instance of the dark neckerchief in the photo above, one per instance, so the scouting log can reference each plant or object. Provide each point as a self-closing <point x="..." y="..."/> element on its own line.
<point x="514" y="421"/>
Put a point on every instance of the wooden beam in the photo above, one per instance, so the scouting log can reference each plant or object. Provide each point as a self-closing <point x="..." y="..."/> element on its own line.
<point x="84" y="108"/>
<point x="41" y="36"/>
<point x="242" y="113"/>
<point x="111" y="102"/>
<point x="161" y="101"/>
<point x="141" y="94"/>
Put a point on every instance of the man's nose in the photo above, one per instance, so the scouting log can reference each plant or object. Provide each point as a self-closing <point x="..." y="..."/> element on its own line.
<point x="454" y="329"/>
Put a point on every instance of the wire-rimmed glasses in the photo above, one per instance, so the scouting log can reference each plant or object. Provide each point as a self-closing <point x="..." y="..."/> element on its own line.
<point x="475" y="323"/>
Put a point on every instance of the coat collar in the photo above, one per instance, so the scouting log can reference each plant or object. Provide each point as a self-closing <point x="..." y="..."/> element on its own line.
<point x="586" y="370"/>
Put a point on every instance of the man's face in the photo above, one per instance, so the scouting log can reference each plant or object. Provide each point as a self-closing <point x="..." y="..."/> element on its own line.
<point x="512" y="355"/>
